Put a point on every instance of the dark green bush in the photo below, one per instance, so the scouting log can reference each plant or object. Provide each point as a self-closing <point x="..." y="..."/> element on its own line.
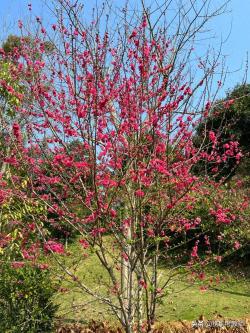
<point x="25" y="299"/>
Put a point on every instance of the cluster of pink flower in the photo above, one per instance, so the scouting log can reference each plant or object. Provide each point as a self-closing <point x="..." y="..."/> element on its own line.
<point x="52" y="246"/>
<point x="223" y="215"/>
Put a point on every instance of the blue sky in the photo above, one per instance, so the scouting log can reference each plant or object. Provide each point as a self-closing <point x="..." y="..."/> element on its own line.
<point x="236" y="24"/>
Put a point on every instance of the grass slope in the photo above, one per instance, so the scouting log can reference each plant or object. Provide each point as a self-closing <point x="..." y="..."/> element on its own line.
<point x="186" y="301"/>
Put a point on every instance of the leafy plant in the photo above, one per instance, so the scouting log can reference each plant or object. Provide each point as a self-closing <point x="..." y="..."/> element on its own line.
<point x="25" y="299"/>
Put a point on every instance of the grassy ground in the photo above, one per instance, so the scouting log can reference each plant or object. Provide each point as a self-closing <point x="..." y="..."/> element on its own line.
<point x="186" y="301"/>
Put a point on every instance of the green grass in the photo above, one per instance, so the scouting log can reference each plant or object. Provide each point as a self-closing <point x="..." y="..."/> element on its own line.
<point x="185" y="301"/>
<point x="231" y="301"/>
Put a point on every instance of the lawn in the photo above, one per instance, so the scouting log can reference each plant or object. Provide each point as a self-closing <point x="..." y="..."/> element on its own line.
<point x="230" y="297"/>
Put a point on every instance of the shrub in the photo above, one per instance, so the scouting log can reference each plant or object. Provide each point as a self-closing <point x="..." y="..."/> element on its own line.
<point x="25" y="299"/>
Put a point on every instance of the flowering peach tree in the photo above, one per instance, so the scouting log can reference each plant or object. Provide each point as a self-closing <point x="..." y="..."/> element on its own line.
<point x="106" y="145"/>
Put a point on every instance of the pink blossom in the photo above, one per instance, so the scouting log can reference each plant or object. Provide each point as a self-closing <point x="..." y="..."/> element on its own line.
<point x="208" y="105"/>
<point x="212" y="136"/>
<point x="98" y="231"/>
<point x="218" y="258"/>
<point x="17" y="264"/>
<point x="53" y="180"/>
<point x="43" y="266"/>
<point x="150" y="233"/>
<point x="237" y="245"/>
<point x="81" y="164"/>
<point x="197" y="220"/>
<point x="159" y="290"/>
<point x="223" y="215"/>
<point x="3" y="196"/>
<point x="28" y="255"/>
<point x="31" y="226"/>
<point x="84" y="243"/>
<point x="143" y="284"/>
<point x="125" y="256"/>
<point x="20" y="24"/>
<point x="113" y="213"/>
<point x="139" y="193"/>
<point x="16" y="131"/>
<point x="53" y="247"/>
<point x="194" y="252"/>
<point x="107" y="182"/>
<point x="134" y="34"/>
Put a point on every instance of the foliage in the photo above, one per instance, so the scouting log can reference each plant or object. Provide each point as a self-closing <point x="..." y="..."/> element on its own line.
<point x="14" y="43"/>
<point x="219" y="238"/>
<point x="25" y="299"/>
<point x="230" y="120"/>
<point x="10" y="89"/>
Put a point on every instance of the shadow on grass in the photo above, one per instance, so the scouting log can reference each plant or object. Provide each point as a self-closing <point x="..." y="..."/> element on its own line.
<point x="231" y="292"/>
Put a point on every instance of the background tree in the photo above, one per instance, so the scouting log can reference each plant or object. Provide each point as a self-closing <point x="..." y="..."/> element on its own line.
<point x="229" y="120"/>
